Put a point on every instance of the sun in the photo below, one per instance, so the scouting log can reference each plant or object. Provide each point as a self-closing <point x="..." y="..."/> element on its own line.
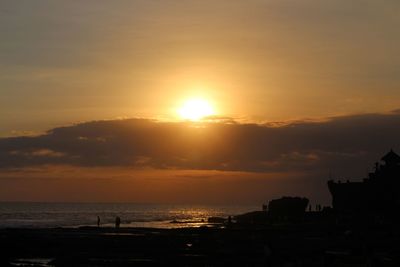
<point x="195" y="109"/>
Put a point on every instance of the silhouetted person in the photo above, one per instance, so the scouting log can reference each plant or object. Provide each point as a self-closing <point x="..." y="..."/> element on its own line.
<point x="98" y="221"/>
<point x="265" y="207"/>
<point x="117" y="222"/>
<point x="376" y="166"/>
<point x="309" y="207"/>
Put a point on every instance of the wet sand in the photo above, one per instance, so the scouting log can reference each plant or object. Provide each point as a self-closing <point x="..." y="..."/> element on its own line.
<point x="273" y="245"/>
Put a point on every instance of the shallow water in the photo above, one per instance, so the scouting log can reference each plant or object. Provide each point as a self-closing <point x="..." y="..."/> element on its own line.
<point x="34" y="262"/>
<point x="41" y="215"/>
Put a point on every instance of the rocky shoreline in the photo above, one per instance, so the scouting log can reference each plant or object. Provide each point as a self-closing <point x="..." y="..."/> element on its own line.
<point x="303" y="244"/>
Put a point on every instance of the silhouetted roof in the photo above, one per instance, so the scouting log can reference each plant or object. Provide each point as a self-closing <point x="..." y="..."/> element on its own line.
<point x="391" y="157"/>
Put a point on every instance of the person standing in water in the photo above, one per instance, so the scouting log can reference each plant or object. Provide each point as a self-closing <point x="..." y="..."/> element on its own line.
<point x="117" y="221"/>
<point x="98" y="221"/>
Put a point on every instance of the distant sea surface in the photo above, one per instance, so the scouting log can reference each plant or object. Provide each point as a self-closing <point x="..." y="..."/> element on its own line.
<point x="43" y="215"/>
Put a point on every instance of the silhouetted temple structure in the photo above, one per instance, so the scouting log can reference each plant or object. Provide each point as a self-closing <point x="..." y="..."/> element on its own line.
<point x="379" y="194"/>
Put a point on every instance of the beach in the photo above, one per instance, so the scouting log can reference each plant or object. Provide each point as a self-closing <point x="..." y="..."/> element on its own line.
<point x="235" y="245"/>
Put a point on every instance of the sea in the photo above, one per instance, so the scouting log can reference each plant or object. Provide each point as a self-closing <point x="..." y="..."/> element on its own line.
<point x="74" y="215"/>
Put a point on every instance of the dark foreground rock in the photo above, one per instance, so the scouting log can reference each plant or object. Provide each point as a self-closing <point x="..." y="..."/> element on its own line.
<point x="273" y="245"/>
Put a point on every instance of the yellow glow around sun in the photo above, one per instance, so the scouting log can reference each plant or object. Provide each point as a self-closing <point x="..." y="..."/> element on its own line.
<point x="195" y="109"/>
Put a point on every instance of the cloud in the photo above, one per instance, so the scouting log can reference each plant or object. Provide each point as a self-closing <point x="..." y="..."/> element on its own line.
<point x="350" y="143"/>
<point x="181" y="161"/>
<point x="37" y="153"/>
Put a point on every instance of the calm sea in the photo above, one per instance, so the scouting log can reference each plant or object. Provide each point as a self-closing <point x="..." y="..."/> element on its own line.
<point x="40" y="215"/>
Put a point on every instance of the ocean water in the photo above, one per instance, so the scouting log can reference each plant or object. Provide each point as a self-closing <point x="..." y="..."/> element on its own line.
<point x="42" y="215"/>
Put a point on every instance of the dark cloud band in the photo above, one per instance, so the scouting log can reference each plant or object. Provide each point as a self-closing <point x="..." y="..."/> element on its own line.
<point x="340" y="142"/>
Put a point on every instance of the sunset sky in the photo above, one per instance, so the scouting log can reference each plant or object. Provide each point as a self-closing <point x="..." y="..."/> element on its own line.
<point x="95" y="98"/>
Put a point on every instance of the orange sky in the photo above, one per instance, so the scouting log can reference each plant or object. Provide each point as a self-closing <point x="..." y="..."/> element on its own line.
<point x="299" y="88"/>
<point x="66" y="183"/>
<point x="257" y="60"/>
